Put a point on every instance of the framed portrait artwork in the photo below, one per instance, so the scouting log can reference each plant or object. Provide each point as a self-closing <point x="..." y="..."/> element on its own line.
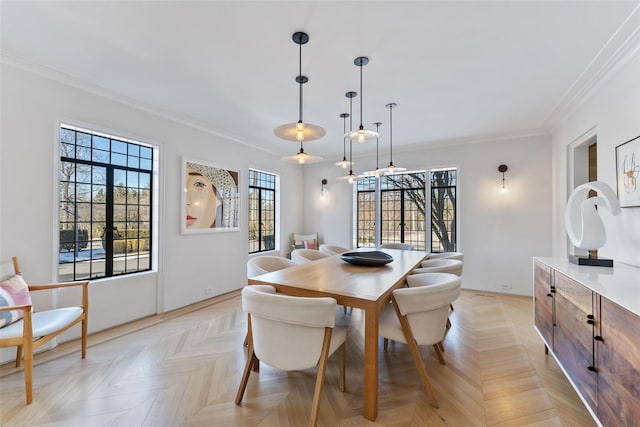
<point x="210" y="198"/>
<point x="628" y="173"/>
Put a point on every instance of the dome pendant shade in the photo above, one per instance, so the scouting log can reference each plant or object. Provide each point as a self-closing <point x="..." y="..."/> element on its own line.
<point x="300" y="131"/>
<point x="302" y="158"/>
<point x="362" y="134"/>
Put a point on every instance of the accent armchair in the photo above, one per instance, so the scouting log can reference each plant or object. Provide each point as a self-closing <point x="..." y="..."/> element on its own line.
<point x="35" y="329"/>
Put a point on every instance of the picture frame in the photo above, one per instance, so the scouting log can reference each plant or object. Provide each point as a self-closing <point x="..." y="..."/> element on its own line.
<point x="628" y="173"/>
<point x="210" y="198"/>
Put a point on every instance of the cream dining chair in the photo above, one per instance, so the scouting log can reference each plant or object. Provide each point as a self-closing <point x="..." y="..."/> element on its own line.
<point x="405" y="246"/>
<point x="291" y="333"/>
<point x="333" y="249"/>
<point x="448" y="255"/>
<point x="418" y="316"/>
<point x="302" y="256"/>
<point x="266" y="264"/>
<point x="440" y="265"/>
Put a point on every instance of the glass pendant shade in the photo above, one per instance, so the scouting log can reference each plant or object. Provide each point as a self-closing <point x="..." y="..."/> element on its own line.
<point x="362" y="134"/>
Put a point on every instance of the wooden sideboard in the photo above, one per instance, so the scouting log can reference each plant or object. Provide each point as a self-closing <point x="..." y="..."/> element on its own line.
<point x="589" y="320"/>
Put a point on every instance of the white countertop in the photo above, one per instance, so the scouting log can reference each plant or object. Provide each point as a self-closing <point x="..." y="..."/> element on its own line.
<point x="620" y="284"/>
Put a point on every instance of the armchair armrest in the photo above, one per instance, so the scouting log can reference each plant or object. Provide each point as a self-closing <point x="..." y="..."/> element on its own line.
<point x="57" y="285"/>
<point x="25" y="308"/>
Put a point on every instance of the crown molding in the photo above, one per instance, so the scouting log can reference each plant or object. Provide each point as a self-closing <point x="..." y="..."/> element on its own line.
<point x="622" y="46"/>
<point x="73" y="81"/>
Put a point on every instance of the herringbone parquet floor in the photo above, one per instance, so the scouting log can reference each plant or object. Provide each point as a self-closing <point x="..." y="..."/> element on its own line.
<point x="183" y="370"/>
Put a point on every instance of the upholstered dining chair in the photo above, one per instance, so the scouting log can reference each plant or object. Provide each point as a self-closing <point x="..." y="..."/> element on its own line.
<point x="333" y="249"/>
<point x="448" y="255"/>
<point x="292" y="333"/>
<point x="440" y="265"/>
<point x="405" y="246"/>
<point x="418" y="316"/>
<point x="302" y="256"/>
<point x="266" y="264"/>
<point x="27" y="330"/>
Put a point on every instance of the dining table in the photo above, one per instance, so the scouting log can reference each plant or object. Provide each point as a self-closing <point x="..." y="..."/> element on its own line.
<point x="367" y="287"/>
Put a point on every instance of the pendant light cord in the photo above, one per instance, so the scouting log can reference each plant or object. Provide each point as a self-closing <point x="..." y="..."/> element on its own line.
<point x="361" y="126"/>
<point x="300" y="81"/>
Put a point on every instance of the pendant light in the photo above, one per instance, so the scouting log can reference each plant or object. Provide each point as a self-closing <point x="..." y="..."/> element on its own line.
<point x="361" y="135"/>
<point x="391" y="168"/>
<point x="300" y="131"/>
<point x="351" y="178"/>
<point x="344" y="162"/>
<point x="377" y="171"/>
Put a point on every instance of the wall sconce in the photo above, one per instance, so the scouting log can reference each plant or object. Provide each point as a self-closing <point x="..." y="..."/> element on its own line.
<point x="503" y="169"/>
<point x="322" y="190"/>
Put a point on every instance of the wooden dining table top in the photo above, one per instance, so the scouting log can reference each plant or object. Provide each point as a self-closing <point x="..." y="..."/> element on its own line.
<point x="353" y="285"/>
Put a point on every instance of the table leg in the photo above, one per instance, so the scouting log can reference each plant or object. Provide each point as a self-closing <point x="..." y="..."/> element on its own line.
<point x="371" y="363"/>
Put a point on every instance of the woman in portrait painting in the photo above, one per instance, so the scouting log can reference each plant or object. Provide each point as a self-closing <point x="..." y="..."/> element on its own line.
<point x="203" y="199"/>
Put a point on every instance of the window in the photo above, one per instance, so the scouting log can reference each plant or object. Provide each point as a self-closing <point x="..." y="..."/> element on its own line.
<point x="105" y="203"/>
<point x="443" y="210"/>
<point x="262" y="211"/>
<point x="402" y="210"/>
<point x="366" y="212"/>
<point x="402" y="206"/>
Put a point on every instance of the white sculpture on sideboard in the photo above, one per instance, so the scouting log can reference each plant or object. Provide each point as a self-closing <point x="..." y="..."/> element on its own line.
<point x="583" y="222"/>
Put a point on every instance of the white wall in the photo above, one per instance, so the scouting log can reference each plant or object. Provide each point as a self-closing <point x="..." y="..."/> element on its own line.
<point x="31" y="108"/>
<point x="613" y="111"/>
<point x="498" y="232"/>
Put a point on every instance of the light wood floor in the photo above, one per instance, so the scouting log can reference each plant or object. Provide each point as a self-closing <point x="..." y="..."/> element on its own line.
<point x="183" y="368"/>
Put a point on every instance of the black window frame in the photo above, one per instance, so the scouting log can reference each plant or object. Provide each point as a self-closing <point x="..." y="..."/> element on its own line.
<point x="262" y="231"/>
<point x="449" y="186"/>
<point x="105" y="186"/>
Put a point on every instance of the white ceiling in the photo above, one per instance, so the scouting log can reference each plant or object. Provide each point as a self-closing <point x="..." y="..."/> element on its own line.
<point x="459" y="71"/>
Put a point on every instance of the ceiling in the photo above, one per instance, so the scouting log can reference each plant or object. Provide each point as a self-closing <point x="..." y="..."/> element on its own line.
<point x="459" y="71"/>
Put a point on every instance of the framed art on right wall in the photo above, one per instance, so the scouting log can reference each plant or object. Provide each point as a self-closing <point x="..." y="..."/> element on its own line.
<point x="628" y="173"/>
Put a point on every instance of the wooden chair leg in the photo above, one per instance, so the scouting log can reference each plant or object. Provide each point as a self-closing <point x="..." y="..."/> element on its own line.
<point x="245" y="375"/>
<point x="451" y="306"/>
<point x="85" y="323"/>
<point x="448" y="323"/>
<point x="322" y="368"/>
<point x="415" y="352"/>
<point x="28" y="356"/>
<point x="343" y="366"/>
<point x="385" y="344"/>
<point x="441" y="345"/>
<point x="436" y="347"/>
<point x="18" y="356"/>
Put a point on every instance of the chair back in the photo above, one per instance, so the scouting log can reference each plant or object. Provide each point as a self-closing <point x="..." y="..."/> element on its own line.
<point x="440" y="265"/>
<point x="266" y="264"/>
<point x="429" y="279"/>
<point x="449" y="255"/>
<point x="405" y="246"/>
<point x="7" y="270"/>
<point x="288" y="332"/>
<point x="427" y="308"/>
<point x="302" y="256"/>
<point x="333" y="249"/>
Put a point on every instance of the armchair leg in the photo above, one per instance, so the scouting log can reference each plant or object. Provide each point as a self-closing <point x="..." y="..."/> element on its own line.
<point x="85" y="323"/>
<point x="18" y="356"/>
<point x="385" y="344"/>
